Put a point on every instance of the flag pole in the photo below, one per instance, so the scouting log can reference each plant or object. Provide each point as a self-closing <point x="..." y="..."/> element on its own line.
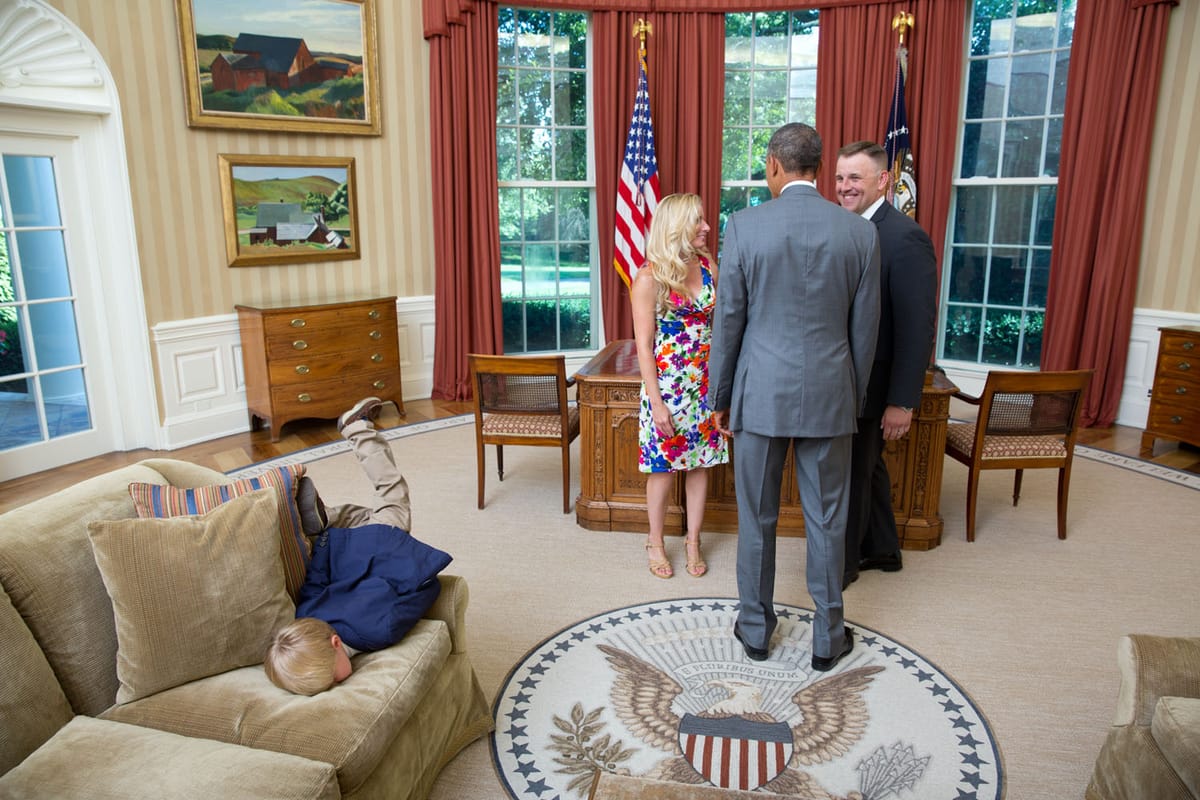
<point x="637" y="186"/>
<point x="902" y="23"/>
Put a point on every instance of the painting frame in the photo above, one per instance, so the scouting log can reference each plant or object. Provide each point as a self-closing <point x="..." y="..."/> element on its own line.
<point x="315" y="117"/>
<point x="295" y="233"/>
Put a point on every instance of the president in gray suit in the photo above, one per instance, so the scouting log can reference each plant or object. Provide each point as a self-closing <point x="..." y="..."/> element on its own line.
<point x="794" y="335"/>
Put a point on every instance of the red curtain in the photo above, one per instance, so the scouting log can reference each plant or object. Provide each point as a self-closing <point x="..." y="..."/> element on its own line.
<point x="1112" y="92"/>
<point x="857" y="57"/>
<point x="687" y="103"/>
<point x="466" y="215"/>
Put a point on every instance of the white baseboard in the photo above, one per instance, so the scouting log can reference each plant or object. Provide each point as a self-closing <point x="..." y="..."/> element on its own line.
<point x="203" y="386"/>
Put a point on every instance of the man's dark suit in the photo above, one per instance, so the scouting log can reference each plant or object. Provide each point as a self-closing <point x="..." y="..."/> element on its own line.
<point x="908" y="308"/>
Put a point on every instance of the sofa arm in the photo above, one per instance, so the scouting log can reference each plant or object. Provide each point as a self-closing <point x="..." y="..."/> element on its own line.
<point x="184" y="474"/>
<point x="1153" y="667"/>
<point x="451" y="608"/>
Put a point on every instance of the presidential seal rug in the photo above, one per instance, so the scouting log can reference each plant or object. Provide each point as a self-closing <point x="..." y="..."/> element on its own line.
<point x="663" y="691"/>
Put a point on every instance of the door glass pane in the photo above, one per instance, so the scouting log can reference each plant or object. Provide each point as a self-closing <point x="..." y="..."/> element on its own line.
<point x="54" y="337"/>
<point x="43" y="264"/>
<point x="66" y="403"/>
<point x="31" y="191"/>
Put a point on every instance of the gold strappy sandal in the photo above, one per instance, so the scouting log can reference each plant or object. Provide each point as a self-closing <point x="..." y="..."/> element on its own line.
<point x="659" y="568"/>
<point x="697" y="567"/>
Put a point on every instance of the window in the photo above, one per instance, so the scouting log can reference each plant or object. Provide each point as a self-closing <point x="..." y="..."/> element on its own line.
<point x="547" y="191"/>
<point x="997" y="263"/>
<point x="770" y="80"/>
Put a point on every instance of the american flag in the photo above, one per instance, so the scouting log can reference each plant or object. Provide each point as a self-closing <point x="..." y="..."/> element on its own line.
<point x="637" y="191"/>
<point x="902" y="191"/>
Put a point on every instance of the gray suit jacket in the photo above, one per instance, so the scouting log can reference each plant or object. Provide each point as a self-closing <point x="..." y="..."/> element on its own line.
<point x="797" y="315"/>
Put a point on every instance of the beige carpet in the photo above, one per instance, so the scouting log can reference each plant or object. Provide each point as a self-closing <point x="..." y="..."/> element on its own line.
<point x="1025" y="623"/>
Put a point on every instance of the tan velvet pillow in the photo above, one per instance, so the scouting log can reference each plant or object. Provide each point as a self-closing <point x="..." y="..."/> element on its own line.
<point x="192" y="596"/>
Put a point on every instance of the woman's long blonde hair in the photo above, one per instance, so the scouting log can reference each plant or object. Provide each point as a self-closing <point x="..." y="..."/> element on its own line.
<point x="669" y="244"/>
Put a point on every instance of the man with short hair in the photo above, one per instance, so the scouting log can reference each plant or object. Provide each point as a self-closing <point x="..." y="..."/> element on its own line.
<point x="908" y="307"/>
<point x="793" y="338"/>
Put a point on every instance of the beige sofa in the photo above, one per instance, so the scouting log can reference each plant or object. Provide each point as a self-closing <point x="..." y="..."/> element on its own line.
<point x="384" y="732"/>
<point x="1153" y="748"/>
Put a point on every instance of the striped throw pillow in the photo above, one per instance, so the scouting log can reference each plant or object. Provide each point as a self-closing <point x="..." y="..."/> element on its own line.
<point x="154" y="500"/>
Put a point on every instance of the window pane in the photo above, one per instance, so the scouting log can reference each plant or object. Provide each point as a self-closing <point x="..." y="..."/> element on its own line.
<point x="541" y="270"/>
<point x="991" y="32"/>
<point x="537" y="213"/>
<point x="1006" y="277"/>
<point x="1053" y="146"/>
<point x="1043" y="226"/>
<point x="1058" y="94"/>
<point x="1031" y="348"/>
<point x="21" y="424"/>
<point x="986" y="83"/>
<point x="506" y="97"/>
<point x="962" y="332"/>
<point x="802" y="96"/>
<point x="43" y="264"/>
<point x="512" y="282"/>
<point x="570" y="98"/>
<point x="735" y="154"/>
<point x="574" y="270"/>
<point x="66" y="403"/>
<point x="54" y="341"/>
<point x="968" y="267"/>
<point x="1014" y="210"/>
<point x="534" y="88"/>
<point x="1035" y="28"/>
<point x="576" y="316"/>
<point x="570" y="43"/>
<point x="12" y="348"/>
<point x="1066" y="23"/>
<point x="533" y="38"/>
<point x="1001" y="333"/>
<point x="571" y="155"/>
<point x="506" y="39"/>
<point x="1030" y="87"/>
<point x="507" y="167"/>
<point x="770" y="98"/>
<point x="738" y="30"/>
<point x="510" y="214"/>
<point x="513" y="312"/>
<point x="771" y="39"/>
<point x="31" y="191"/>
<point x="1039" y="278"/>
<point x="973" y="215"/>
<point x="981" y="150"/>
<point x="535" y="148"/>
<point x="758" y="153"/>
<point x="1023" y="149"/>
<point x="737" y="98"/>
<point x="541" y="325"/>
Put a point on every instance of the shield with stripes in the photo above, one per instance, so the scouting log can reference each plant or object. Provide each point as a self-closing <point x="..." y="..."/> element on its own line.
<point x="735" y="752"/>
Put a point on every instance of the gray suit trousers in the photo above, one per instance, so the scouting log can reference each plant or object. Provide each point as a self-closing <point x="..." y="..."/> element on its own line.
<point x="823" y="478"/>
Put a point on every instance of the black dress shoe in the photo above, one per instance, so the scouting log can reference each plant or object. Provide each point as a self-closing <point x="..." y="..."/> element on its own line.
<point x="752" y="653"/>
<point x="889" y="563"/>
<point x="847" y="580"/>
<point x="826" y="663"/>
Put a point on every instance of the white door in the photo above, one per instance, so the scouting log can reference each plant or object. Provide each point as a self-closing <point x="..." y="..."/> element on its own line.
<point x="55" y="405"/>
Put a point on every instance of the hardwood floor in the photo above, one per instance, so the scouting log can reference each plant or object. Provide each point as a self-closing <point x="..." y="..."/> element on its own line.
<point x="241" y="449"/>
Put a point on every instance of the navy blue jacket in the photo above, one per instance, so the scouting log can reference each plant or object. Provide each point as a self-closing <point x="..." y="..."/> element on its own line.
<point x="370" y="583"/>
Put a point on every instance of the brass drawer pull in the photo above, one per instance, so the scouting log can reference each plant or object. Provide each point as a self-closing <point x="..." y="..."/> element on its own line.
<point x="1180" y="390"/>
<point x="301" y="370"/>
<point x="373" y="314"/>
<point x="298" y="323"/>
<point x="300" y="344"/>
<point x="377" y="357"/>
<point x="1175" y="420"/>
<point x="379" y="384"/>
<point x="1185" y="366"/>
<point x="1188" y="345"/>
<point x="375" y="335"/>
<point x="304" y="397"/>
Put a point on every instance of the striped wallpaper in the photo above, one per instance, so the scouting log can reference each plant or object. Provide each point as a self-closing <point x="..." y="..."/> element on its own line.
<point x="176" y="196"/>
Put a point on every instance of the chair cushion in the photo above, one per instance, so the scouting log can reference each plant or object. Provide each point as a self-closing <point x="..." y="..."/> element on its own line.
<point x="192" y="596"/>
<point x="350" y="726"/>
<point x="1176" y="729"/>
<point x="535" y="426"/>
<point x="92" y="758"/>
<point x="961" y="436"/>
<point x="153" y="500"/>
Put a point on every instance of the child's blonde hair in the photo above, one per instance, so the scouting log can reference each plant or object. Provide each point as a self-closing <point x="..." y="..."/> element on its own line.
<point x="301" y="657"/>
<point x="669" y="243"/>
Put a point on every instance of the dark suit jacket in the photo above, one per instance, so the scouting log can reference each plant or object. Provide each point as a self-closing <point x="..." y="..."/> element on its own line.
<point x="908" y="311"/>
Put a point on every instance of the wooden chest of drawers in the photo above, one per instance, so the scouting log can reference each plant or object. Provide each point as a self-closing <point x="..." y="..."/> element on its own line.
<point x="317" y="361"/>
<point x="1175" y="396"/>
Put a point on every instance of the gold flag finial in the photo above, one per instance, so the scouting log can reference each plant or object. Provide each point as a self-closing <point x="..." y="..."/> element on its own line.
<point x="640" y="29"/>
<point x="902" y="23"/>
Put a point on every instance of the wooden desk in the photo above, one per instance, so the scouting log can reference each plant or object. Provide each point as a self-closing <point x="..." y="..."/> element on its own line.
<point x="613" y="492"/>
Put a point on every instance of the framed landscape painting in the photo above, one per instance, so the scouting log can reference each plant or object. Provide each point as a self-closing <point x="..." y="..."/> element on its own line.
<point x="288" y="209"/>
<point x="305" y="66"/>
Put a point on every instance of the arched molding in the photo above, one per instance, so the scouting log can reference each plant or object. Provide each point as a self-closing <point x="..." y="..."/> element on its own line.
<point x="46" y="62"/>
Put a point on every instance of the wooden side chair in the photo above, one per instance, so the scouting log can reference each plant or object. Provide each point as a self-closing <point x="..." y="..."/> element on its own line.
<point x="522" y="400"/>
<point x="1027" y="420"/>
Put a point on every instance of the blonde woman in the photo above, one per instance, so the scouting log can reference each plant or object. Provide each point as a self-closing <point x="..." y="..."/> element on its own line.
<point x="673" y="297"/>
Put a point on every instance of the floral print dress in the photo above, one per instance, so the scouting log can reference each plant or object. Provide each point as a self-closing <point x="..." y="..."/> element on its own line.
<point x="681" y="345"/>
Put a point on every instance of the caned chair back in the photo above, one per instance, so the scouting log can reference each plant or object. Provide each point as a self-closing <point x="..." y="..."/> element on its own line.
<point x="522" y="400"/>
<point x="1026" y="420"/>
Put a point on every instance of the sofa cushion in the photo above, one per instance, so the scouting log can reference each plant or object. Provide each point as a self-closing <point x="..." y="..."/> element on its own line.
<point x="192" y="596"/>
<point x="1176" y="729"/>
<point x="32" y="704"/>
<point x="351" y="726"/>
<point x="154" y="500"/>
<point x="92" y="759"/>
<point x="47" y="568"/>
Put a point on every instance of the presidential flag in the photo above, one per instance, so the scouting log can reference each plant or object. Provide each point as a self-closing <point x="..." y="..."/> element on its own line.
<point x="637" y="190"/>
<point x="902" y="191"/>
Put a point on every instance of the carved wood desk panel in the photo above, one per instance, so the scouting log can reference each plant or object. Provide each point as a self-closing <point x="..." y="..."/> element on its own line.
<point x="613" y="492"/>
